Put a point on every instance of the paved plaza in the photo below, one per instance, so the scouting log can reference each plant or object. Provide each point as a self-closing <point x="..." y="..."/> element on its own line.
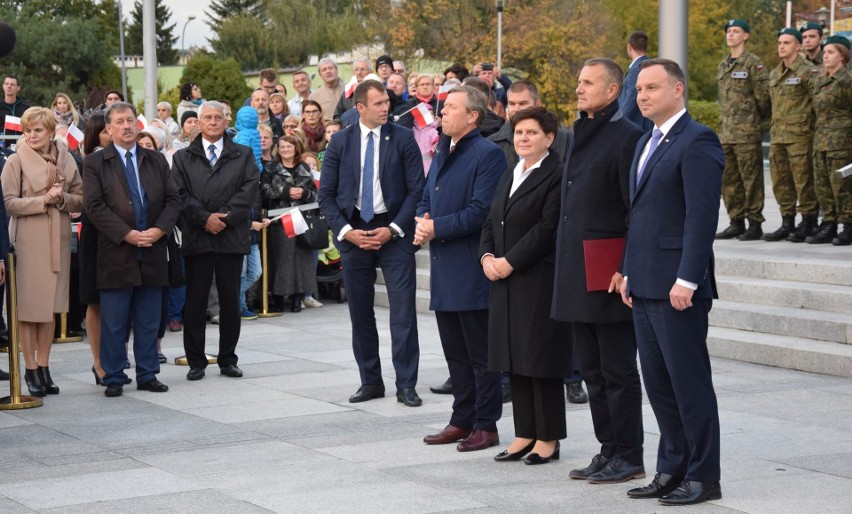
<point x="285" y="439"/>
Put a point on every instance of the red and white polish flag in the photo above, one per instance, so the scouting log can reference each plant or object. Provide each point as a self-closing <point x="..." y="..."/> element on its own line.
<point x="74" y="137"/>
<point x="142" y="122"/>
<point x="293" y="223"/>
<point x="13" y="123"/>
<point x="444" y="91"/>
<point x="350" y="87"/>
<point x="422" y="115"/>
<point x="316" y="176"/>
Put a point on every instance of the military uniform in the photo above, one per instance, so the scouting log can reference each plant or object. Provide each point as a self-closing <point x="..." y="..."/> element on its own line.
<point x="833" y="148"/>
<point x="816" y="61"/>
<point x="791" y="91"/>
<point x="743" y="104"/>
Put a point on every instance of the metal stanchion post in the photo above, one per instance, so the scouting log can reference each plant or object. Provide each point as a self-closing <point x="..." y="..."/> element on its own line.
<point x="265" y="313"/>
<point x="63" y="331"/>
<point x="14" y="401"/>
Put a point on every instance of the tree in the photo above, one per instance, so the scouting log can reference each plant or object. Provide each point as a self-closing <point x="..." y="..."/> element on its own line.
<point x="219" y="79"/>
<point x="103" y="12"/>
<point x="59" y="51"/>
<point x="249" y="41"/>
<point x="167" y="54"/>
<point x="222" y="10"/>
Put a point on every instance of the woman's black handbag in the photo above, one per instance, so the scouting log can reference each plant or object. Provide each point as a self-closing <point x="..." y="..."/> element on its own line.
<point x="316" y="237"/>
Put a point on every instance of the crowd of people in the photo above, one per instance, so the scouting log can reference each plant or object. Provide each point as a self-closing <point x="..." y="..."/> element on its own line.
<point x="536" y="280"/>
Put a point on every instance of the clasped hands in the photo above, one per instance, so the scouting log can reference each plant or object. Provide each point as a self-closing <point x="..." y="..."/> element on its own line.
<point x="496" y="268"/>
<point x="214" y="223"/>
<point x="144" y="238"/>
<point x="372" y="239"/>
<point x="55" y="194"/>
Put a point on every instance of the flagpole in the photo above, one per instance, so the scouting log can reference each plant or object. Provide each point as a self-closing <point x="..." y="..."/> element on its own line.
<point x="265" y="313"/>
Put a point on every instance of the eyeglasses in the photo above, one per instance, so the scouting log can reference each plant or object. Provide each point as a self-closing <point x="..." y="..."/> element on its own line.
<point x="310" y="112"/>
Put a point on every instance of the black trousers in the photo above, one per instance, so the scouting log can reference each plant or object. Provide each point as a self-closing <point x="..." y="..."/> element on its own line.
<point x="539" y="407"/>
<point x="199" y="276"/>
<point x="477" y="400"/>
<point x="607" y="358"/>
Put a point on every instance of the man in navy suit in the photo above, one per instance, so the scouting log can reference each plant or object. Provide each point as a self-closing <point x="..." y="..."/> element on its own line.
<point x="637" y="50"/>
<point x="372" y="179"/>
<point x="456" y="202"/>
<point x="675" y="188"/>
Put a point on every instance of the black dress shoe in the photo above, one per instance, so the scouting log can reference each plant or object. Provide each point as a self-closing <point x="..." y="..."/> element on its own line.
<point x="408" y="396"/>
<point x="662" y="485"/>
<point x="445" y="388"/>
<point x="231" y="370"/>
<point x="195" y="374"/>
<point x="155" y="386"/>
<point x="128" y="380"/>
<point x="34" y="383"/>
<point x="534" y="458"/>
<point x="161" y="358"/>
<point x="114" y="390"/>
<point x="617" y="471"/>
<point x="575" y="394"/>
<point x="49" y="386"/>
<point x="689" y="492"/>
<point x="597" y="464"/>
<point x="505" y="456"/>
<point x="368" y="392"/>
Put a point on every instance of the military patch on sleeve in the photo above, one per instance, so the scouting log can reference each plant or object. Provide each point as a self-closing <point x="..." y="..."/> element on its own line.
<point x="814" y="71"/>
<point x="739" y="75"/>
<point x="759" y="67"/>
<point x="793" y="81"/>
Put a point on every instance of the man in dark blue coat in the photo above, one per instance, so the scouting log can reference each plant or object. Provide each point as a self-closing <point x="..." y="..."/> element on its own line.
<point x="675" y="188"/>
<point x="637" y="50"/>
<point x="456" y="202"/>
<point x="372" y="179"/>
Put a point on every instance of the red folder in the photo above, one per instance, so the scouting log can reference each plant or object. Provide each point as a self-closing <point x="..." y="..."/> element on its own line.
<point x="603" y="256"/>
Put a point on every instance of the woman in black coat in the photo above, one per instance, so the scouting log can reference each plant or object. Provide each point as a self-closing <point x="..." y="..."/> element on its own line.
<point x="517" y="248"/>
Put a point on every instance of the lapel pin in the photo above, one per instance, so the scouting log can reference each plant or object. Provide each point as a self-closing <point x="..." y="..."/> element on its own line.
<point x="387" y="138"/>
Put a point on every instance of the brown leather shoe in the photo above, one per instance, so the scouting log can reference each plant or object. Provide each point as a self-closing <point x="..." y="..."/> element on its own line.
<point x="478" y="440"/>
<point x="449" y="434"/>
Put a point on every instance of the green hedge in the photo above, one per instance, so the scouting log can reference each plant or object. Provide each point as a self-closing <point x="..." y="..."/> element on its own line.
<point x="706" y="113"/>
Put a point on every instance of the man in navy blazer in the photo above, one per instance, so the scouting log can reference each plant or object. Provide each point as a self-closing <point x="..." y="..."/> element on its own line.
<point x="675" y="188"/>
<point x="456" y="202"/>
<point x="372" y="179"/>
<point x="637" y="50"/>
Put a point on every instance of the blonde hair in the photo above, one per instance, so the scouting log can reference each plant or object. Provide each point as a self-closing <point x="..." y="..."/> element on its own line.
<point x="263" y="127"/>
<point x="36" y="115"/>
<point x="75" y="116"/>
<point x="286" y="107"/>
<point x="296" y="119"/>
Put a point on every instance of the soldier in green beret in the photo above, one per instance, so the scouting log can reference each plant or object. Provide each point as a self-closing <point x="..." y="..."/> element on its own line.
<point x="743" y="104"/>
<point x="833" y="143"/>
<point x="791" y="87"/>
<point x="811" y="39"/>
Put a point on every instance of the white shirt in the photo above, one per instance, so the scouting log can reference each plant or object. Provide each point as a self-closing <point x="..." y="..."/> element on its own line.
<point x="665" y="128"/>
<point x="519" y="175"/>
<point x="220" y="144"/>
<point x="295" y="104"/>
<point x="379" y="206"/>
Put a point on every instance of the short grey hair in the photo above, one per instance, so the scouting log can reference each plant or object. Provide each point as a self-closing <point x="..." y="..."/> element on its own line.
<point x="212" y="104"/>
<point x="118" y="107"/>
<point x="363" y="59"/>
<point x="166" y="105"/>
<point x="327" y="60"/>
<point x="475" y="102"/>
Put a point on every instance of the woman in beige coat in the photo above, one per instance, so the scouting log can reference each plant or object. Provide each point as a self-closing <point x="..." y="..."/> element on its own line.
<point x="41" y="185"/>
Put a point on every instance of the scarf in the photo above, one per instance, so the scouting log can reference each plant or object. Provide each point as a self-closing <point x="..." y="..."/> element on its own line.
<point x="315" y="136"/>
<point x="427" y="101"/>
<point x="65" y="118"/>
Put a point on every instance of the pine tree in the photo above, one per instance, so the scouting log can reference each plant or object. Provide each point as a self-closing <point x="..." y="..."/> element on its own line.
<point x="167" y="54"/>
<point x="221" y="10"/>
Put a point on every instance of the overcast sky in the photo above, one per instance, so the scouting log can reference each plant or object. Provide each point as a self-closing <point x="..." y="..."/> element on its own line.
<point x="197" y="32"/>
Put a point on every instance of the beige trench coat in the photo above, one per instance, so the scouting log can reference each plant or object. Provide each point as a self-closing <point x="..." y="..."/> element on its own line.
<point x="41" y="234"/>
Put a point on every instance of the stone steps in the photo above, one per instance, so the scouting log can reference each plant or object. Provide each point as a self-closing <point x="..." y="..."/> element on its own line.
<point x="783" y="321"/>
<point x="786" y="293"/>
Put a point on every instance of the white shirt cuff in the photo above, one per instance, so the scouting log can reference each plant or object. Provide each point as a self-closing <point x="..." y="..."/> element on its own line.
<point x="398" y="230"/>
<point x="484" y="256"/>
<point x="684" y="283"/>
<point x="343" y="232"/>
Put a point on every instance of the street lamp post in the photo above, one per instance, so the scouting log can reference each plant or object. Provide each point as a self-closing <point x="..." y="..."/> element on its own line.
<point x="183" y="35"/>
<point x="121" y="50"/>
<point x="500" y="33"/>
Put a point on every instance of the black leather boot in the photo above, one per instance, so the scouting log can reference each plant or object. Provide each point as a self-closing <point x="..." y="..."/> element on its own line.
<point x="753" y="233"/>
<point x="844" y="238"/>
<point x="788" y="225"/>
<point x="736" y="228"/>
<point x="826" y="233"/>
<point x="805" y="228"/>
<point x="34" y="384"/>
<point x="49" y="386"/>
<point x="296" y="303"/>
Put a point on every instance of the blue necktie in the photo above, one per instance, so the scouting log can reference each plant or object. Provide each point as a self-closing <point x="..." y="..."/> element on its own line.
<point x="656" y="135"/>
<point x="211" y="155"/>
<point x="367" y="181"/>
<point x="130" y="172"/>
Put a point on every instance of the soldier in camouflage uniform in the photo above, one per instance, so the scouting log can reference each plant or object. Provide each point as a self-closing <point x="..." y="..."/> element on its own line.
<point x="743" y="104"/>
<point x="833" y="143"/>
<point x="791" y="87"/>
<point x="811" y="39"/>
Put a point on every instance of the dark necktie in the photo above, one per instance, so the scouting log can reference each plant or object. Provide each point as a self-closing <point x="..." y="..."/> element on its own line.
<point x="211" y="155"/>
<point x="367" y="181"/>
<point x="656" y="135"/>
<point x="130" y="173"/>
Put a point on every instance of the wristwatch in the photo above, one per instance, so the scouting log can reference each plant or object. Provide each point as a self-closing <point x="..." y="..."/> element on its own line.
<point x="394" y="232"/>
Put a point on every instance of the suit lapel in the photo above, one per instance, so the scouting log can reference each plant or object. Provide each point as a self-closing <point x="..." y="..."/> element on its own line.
<point x="384" y="143"/>
<point x="665" y="143"/>
<point x="532" y="182"/>
<point x="118" y="168"/>
<point x="355" y="158"/>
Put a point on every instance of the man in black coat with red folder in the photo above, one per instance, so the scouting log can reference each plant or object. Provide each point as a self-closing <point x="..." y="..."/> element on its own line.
<point x="590" y="239"/>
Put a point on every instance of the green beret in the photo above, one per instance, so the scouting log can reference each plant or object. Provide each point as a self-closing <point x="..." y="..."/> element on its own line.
<point x="790" y="31"/>
<point x="736" y="22"/>
<point x="811" y="26"/>
<point x="835" y="40"/>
